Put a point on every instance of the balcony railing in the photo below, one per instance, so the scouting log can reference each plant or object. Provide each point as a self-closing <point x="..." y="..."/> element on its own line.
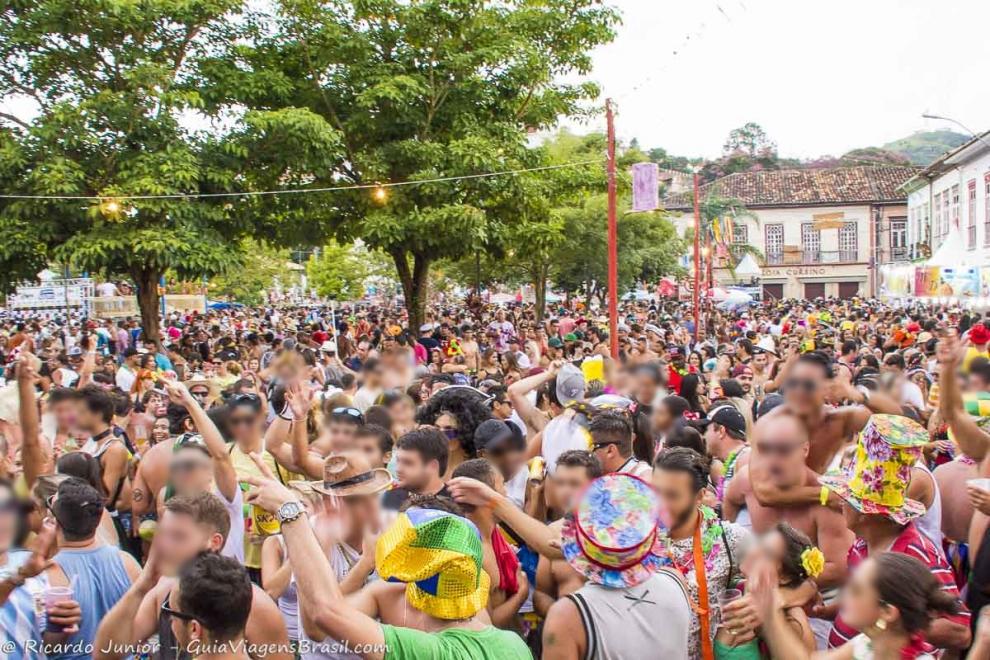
<point x="805" y="257"/>
<point x="900" y="253"/>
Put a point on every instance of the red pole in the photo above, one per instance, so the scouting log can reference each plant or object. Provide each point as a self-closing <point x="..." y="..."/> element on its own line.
<point x="697" y="257"/>
<point x="613" y="240"/>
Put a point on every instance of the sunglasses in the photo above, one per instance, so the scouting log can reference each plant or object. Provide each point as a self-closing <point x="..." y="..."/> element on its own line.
<point x="187" y="466"/>
<point x="600" y="445"/>
<point x="240" y="420"/>
<point x="451" y="434"/>
<point x="169" y="612"/>
<point x="808" y="386"/>
<point x="777" y="448"/>
<point x="348" y="412"/>
<point x="202" y="394"/>
<point x="9" y="506"/>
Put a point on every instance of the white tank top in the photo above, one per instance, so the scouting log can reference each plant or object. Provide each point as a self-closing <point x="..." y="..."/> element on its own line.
<point x="930" y="524"/>
<point x="621" y="623"/>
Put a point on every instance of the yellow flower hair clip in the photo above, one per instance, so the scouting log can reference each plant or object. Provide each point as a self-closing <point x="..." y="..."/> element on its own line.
<point x="813" y="562"/>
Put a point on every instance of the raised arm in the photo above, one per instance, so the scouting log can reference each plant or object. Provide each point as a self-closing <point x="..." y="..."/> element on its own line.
<point x="517" y="395"/>
<point x="223" y="467"/>
<point x="316" y="584"/>
<point x="35" y="456"/>
<point x="537" y="536"/>
<point x="972" y="440"/>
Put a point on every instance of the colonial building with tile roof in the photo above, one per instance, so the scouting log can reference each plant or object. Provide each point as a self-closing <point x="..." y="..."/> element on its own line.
<point x="820" y="232"/>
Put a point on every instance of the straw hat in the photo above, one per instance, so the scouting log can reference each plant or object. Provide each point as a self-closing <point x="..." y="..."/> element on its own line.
<point x="613" y="537"/>
<point x="201" y="380"/>
<point x="350" y="473"/>
<point x="889" y="446"/>
<point x="439" y="557"/>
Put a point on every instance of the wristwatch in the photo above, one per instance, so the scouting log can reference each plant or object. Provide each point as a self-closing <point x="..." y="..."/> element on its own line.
<point x="289" y="511"/>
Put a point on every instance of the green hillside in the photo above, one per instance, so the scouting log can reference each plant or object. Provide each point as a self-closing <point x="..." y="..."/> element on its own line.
<point x="923" y="147"/>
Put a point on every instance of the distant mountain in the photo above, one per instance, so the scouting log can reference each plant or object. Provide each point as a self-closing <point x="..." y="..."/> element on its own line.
<point x="923" y="147"/>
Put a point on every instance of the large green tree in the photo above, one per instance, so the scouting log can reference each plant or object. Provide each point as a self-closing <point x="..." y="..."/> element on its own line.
<point x="648" y="248"/>
<point x="106" y="93"/>
<point x="419" y="91"/>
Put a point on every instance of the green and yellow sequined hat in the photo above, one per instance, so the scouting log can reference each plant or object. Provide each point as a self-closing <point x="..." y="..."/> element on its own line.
<point x="438" y="555"/>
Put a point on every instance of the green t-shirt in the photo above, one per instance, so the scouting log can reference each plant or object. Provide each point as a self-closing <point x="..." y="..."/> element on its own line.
<point x="454" y="644"/>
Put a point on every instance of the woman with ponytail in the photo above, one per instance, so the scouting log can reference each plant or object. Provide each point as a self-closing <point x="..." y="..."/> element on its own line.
<point x="891" y="599"/>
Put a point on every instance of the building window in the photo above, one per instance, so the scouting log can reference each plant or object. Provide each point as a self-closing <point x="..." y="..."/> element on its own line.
<point x="774" y="238"/>
<point x="971" y="215"/>
<point x="938" y="217"/>
<point x="848" y="242"/>
<point x="811" y="243"/>
<point x="955" y="210"/>
<point x="740" y="235"/>
<point x="899" y="238"/>
<point x="986" y="209"/>
<point x="924" y="231"/>
<point x="946" y="213"/>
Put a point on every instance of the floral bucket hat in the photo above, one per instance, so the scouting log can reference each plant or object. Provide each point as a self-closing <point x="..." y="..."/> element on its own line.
<point x="613" y="537"/>
<point x="889" y="446"/>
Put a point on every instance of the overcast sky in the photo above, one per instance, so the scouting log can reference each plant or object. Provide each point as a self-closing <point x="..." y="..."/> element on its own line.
<point x="820" y="77"/>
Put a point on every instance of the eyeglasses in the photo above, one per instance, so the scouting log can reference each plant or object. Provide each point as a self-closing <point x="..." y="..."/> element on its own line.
<point x="808" y="386"/>
<point x="168" y="611"/>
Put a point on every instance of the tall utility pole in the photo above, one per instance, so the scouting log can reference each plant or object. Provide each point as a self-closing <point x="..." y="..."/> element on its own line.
<point x="613" y="240"/>
<point x="697" y="256"/>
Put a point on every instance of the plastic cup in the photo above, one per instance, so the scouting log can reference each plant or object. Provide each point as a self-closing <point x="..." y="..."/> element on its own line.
<point x="725" y="597"/>
<point x="53" y="596"/>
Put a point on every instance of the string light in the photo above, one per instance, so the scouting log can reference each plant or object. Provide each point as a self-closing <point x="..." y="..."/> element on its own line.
<point x="119" y="199"/>
<point x="110" y="208"/>
<point x="380" y="194"/>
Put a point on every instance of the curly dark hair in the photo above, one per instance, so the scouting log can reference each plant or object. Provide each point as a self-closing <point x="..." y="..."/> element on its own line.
<point x="466" y="405"/>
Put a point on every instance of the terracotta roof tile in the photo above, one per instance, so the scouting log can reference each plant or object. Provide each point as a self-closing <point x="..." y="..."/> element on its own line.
<point x="806" y="187"/>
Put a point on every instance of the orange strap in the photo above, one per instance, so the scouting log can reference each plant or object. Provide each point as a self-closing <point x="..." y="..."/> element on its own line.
<point x="702" y="608"/>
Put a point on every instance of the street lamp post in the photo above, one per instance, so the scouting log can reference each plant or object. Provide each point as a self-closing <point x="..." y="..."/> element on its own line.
<point x="958" y="123"/>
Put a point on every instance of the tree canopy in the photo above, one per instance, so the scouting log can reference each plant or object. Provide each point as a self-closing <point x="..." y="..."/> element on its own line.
<point x="417" y="91"/>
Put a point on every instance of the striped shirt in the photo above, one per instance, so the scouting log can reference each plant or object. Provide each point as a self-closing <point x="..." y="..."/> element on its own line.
<point x="22" y="617"/>
<point x="913" y="543"/>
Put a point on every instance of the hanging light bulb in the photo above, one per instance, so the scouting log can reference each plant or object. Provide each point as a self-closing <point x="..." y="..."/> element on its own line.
<point x="380" y="194"/>
<point x="110" y="207"/>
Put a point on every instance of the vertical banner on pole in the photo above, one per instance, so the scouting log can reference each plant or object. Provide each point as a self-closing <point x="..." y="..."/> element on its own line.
<point x="646" y="187"/>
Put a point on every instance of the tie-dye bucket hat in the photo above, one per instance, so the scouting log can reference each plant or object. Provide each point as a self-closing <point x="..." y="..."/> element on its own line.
<point x="438" y="555"/>
<point x="889" y="446"/>
<point x="613" y="536"/>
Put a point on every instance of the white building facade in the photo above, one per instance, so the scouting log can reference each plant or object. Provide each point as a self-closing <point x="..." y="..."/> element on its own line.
<point x="821" y="232"/>
<point x="952" y="195"/>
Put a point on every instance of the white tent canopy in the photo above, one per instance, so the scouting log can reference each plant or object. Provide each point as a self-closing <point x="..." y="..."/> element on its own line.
<point x="952" y="253"/>
<point x="748" y="267"/>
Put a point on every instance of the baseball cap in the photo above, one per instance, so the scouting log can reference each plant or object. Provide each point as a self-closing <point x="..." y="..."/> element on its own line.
<point x="728" y="415"/>
<point x="570" y="384"/>
<point x="494" y="434"/>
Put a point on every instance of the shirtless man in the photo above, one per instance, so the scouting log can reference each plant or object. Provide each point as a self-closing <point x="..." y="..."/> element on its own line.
<point x="781" y="446"/>
<point x="808" y="384"/>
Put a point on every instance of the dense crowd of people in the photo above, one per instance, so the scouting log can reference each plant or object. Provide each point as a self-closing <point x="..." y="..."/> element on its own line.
<point x="794" y="479"/>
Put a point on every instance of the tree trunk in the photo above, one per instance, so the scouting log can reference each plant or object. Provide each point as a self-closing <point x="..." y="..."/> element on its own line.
<point x="540" y="284"/>
<point x="148" y="303"/>
<point x="415" y="285"/>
